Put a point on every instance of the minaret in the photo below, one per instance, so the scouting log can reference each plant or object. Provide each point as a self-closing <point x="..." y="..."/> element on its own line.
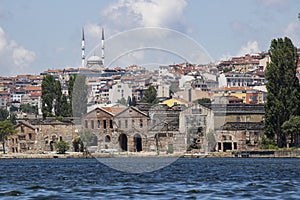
<point x="82" y="50"/>
<point x="102" y="47"/>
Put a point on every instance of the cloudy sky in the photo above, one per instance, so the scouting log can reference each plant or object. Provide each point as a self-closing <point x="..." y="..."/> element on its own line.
<point x="39" y="35"/>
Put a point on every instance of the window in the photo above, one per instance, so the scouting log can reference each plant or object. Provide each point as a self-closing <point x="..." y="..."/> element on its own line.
<point x="126" y="123"/>
<point x="110" y="124"/>
<point x="141" y="123"/>
<point x="104" y="124"/>
<point x="86" y="123"/>
<point x="22" y="129"/>
<point x="22" y="137"/>
<point x="132" y="123"/>
<point x="92" y="124"/>
<point x="248" y="119"/>
<point x="119" y="124"/>
<point x="107" y="138"/>
<point x="23" y="145"/>
<point x="98" y="123"/>
<point x="30" y="136"/>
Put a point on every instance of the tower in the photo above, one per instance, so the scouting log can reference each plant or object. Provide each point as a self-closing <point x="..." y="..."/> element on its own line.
<point x="82" y="50"/>
<point x="102" y="47"/>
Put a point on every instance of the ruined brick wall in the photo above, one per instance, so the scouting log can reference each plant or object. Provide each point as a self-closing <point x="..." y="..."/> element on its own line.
<point x="49" y="133"/>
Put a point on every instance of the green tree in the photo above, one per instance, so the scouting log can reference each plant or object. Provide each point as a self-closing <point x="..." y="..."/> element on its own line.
<point x="88" y="138"/>
<point x="70" y="90"/>
<point x="66" y="110"/>
<point x="6" y="129"/>
<point x="283" y="97"/>
<point x="150" y="96"/>
<point x="51" y="96"/>
<point x="203" y="101"/>
<point x="292" y="128"/>
<point x="27" y="108"/>
<point x="58" y="99"/>
<point x="14" y="109"/>
<point x="122" y="101"/>
<point x="133" y="102"/>
<point x="129" y="102"/>
<point x="79" y="96"/>
<point x="61" y="147"/>
<point x="4" y="114"/>
<point x="13" y="118"/>
<point x="78" y="145"/>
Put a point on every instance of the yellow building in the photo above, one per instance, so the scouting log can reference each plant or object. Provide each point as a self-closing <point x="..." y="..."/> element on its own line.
<point x="247" y="94"/>
<point x="175" y="101"/>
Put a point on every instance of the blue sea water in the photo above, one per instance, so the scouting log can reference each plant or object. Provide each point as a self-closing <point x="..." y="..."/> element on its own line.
<point x="186" y="178"/>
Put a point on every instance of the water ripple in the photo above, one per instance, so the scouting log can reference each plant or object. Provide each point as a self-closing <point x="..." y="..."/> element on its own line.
<point x="184" y="179"/>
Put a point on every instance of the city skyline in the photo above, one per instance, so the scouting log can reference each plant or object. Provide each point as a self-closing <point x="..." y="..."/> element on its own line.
<point x="36" y="36"/>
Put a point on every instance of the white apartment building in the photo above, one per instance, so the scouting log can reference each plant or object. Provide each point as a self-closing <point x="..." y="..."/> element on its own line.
<point x="119" y="91"/>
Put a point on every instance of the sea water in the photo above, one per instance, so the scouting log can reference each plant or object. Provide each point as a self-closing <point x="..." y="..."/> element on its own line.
<point x="186" y="178"/>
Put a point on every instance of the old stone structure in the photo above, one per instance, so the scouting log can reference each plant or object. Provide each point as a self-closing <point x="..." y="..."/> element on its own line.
<point x="24" y="140"/>
<point x="238" y="126"/>
<point x="37" y="136"/>
<point x="155" y="129"/>
<point x="163" y="132"/>
<point x="195" y="123"/>
<point x="51" y="131"/>
<point x="118" y="129"/>
<point x="239" y="136"/>
<point x="158" y="128"/>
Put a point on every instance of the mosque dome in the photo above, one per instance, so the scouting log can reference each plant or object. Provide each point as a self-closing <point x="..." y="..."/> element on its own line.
<point x="94" y="58"/>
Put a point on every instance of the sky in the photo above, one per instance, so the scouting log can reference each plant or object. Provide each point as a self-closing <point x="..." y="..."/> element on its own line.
<point x="39" y="35"/>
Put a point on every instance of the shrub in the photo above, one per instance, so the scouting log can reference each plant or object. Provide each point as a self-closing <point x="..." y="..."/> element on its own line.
<point x="61" y="147"/>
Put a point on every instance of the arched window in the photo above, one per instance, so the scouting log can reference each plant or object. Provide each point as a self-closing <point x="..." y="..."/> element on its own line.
<point x="107" y="138"/>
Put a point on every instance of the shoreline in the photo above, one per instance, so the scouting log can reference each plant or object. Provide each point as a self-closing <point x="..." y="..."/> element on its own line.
<point x="229" y="154"/>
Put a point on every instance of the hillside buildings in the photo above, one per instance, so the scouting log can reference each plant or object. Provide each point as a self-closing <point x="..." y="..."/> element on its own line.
<point x="232" y="121"/>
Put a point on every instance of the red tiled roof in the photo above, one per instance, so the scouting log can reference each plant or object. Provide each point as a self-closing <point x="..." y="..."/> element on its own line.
<point x="36" y="94"/>
<point x="113" y="110"/>
<point x="33" y="88"/>
<point x="234" y="88"/>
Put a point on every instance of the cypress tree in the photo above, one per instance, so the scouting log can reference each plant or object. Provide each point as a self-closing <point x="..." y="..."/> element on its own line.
<point x="48" y="95"/>
<point x="129" y="103"/>
<point x="79" y="96"/>
<point x="150" y="96"/>
<point x="133" y="102"/>
<point x="283" y="99"/>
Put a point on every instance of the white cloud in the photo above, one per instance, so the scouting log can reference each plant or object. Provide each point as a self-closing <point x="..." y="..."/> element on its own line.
<point x="126" y="14"/>
<point x="16" y="56"/>
<point x="292" y="31"/>
<point x="22" y="57"/>
<point x="250" y="48"/>
<point x="93" y="30"/>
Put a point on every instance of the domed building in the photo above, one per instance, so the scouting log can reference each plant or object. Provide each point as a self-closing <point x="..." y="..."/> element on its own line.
<point x="94" y="62"/>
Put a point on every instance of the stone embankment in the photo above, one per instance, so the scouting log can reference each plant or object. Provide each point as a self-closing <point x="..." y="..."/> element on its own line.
<point x="229" y="154"/>
<point x="267" y="154"/>
<point x="46" y="155"/>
